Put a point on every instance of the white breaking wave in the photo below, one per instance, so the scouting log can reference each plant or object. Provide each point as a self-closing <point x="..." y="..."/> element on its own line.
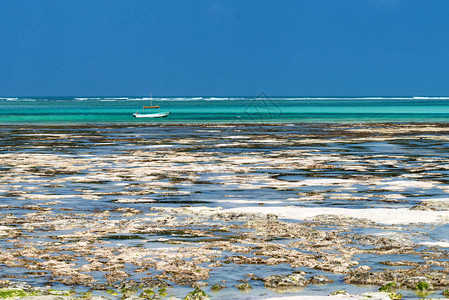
<point x="431" y="98"/>
<point x="355" y="98"/>
<point x="139" y="99"/>
<point x="290" y="98"/>
<point x="84" y="99"/>
<point x="216" y="98"/>
<point x="293" y="98"/>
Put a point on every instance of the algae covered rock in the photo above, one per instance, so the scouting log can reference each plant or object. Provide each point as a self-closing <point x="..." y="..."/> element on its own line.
<point x="217" y="287"/>
<point x="423" y="288"/>
<point x="320" y="279"/>
<point x="197" y="294"/>
<point x="389" y="287"/>
<point x="15" y="293"/>
<point x="281" y="281"/>
<point x="153" y="282"/>
<point x="378" y="296"/>
<point x="340" y="292"/>
<point x="244" y="287"/>
<point x="420" y="283"/>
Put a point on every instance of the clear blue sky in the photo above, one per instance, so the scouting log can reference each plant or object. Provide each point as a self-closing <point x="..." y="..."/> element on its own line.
<point x="227" y="47"/>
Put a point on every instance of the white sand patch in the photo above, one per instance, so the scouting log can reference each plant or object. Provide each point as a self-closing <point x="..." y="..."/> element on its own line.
<point x="442" y="200"/>
<point x="327" y="182"/>
<point x="204" y="130"/>
<point x="369" y="295"/>
<point x="250" y="201"/>
<point x="228" y="144"/>
<point x="143" y="200"/>
<point x="443" y="244"/>
<point x="268" y="141"/>
<point x="394" y="196"/>
<point x="342" y="183"/>
<point x="316" y="297"/>
<point x="4" y="230"/>
<point x="251" y="186"/>
<point x="318" y="197"/>
<point x="204" y="210"/>
<point x="397" y="130"/>
<point x="399" y="185"/>
<point x="48" y="197"/>
<point x="91" y="197"/>
<point x="378" y="215"/>
<point x="249" y="160"/>
<point x="355" y="168"/>
<point x="160" y="146"/>
<point x="245" y="137"/>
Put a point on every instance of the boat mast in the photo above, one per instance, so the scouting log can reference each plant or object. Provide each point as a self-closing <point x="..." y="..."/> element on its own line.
<point x="151" y="103"/>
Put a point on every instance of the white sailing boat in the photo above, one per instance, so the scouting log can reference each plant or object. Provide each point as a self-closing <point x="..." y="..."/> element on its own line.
<point x="151" y="115"/>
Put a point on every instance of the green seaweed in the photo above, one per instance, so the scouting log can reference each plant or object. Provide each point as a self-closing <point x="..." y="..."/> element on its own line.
<point x="111" y="292"/>
<point x="64" y="293"/>
<point x="446" y="293"/>
<point x="197" y="294"/>
<point x="422" y="289"/>
<point x="162" y="292"/>
<point x="244" y="287"/>
<point x="217" y="287"/>
<point x="147" y="294"/>
<point x="6" y="293"/>
<point x="339" y="292"/>
<point x="86" y="295"/>
<point x="395" y="296"/>
<point x="422" y="286"/>
<point x="388" y="287"/>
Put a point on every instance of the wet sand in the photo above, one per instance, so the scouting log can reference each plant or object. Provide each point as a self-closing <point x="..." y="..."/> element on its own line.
<point x="247" y="211"/>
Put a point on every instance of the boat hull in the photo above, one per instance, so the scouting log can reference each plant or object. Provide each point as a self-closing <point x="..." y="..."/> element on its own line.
<point x="155" y="115"/>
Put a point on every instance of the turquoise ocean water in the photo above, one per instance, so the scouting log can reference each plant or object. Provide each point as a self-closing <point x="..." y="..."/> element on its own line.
<point x="77" y="110"/>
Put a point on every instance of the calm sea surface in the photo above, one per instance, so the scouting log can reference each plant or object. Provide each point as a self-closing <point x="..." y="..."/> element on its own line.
<point x="75" y="110"/>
